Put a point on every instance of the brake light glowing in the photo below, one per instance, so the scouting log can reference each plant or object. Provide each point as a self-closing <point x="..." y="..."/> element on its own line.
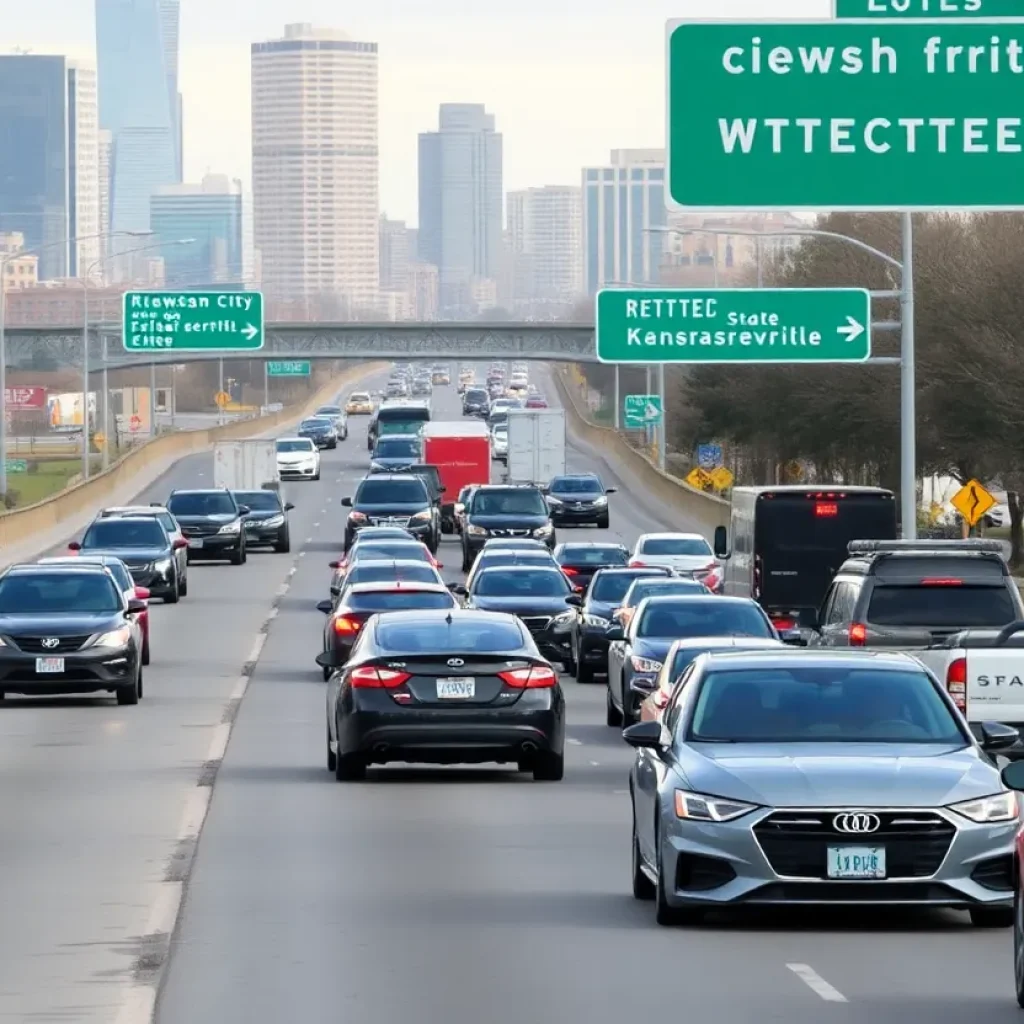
<point x="533" y="678"/>
<point x="784" y="625"/>
<point x="368" y="677"/>
<point x="826" y="509"/>
<point x="635" y="563"/>
<point x="570" y="571"/>
<point x="956" y="682"/>
<point x="346" y="626"/>
<point x="858" y="634"/>
<point x="941" y="581"/>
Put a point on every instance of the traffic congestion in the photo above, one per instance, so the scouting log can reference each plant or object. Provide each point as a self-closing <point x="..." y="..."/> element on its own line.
<point x="556" y="717"/>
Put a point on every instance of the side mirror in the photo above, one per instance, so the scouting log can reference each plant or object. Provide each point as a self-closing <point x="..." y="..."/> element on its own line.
<point x="644" y="735"/>
<point x="996" y="736"/>
<point x="330" y="659"/>
<point x="615" y="632"/>
<point x="721" y="544"/>
<point x="334" y="565"/>
<point x="1013" y="775"/>
<point x="439" y="565"/>
<point x="611" y="490"/>
<point x="458" y="588"/>
<point x="155" y="504"/>
<point x="136" y="605"/>
<point x="574" y="600"/>
<point x="244" y="510"/>
<point x="142" y="593"/>
<point x="74" y="546"/>
<point x="442" y="490"/>
<point x="180" y="543"/>
<point x="325" y="606"/>
<point x="288" y="506"/>
<point x="346" y="502"/>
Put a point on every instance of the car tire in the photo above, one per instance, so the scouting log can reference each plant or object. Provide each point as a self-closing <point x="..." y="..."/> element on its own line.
<point x="183" y="589"/>
<point x="584" y="673"/>
<point x="613" y="717"/>
<point x="316" y="475"/>
<point x="643" y="887"/>
<point x="145" y="651"/>
<point x="1018" y="942"/>
<point x="603" y="524"/>
<point x="284" y="544"/>
<point x="548" y="767"/>
<point x="237" y="557"/>
<point x="569" y="666"/>
<point x="332" y="760"/>
<point x="466" y="563"/>
<point x="127" y="695"/>
<point x="174" y="594"/>
<point x="349" y="768"/>
<point x="664" y="913"/>
<point x="992" y="917"/>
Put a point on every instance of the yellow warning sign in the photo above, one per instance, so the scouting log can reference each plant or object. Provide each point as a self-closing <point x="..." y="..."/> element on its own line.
<point x="721" y="478"/>
<point x="99" y="439"/>
<point x="699" y="478"/>
<point x="222" y="398"/>
<point x="972" y="501"/>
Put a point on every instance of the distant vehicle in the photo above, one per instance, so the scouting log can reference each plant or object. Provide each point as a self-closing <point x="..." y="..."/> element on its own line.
<point x="386" y="499"/>
<point x="213" y="524"/>
<point x="400" y="418"/>
<point x="359" y="404"/>
<point x="579" y="498"/>
<point x="320" y="430"/>
<point x="338" y="417"/>
<point x="499" y="443"/>
<point x="536" y="445"/>
<point x="266" y="522"/>
<point x="686" y="554"/>
<point x="169" y="523"/>
<point x="395" y="452"/>
<point x="297" y="457"/>
<point x="503" y="511"/>
<point x="245" y="465"/>
<point x="461" y="453"/>
<point x="580" y="561"/>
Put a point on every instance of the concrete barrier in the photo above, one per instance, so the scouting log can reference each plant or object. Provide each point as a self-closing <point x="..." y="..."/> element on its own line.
<point x="22" y="525"/>
<point x="706" y="511"/>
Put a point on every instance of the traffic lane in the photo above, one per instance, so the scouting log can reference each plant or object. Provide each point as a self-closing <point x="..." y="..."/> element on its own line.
<point x="93" y="794"/>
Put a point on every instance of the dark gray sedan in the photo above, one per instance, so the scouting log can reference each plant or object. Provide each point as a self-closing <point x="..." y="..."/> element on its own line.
<point x="786" y="777"/>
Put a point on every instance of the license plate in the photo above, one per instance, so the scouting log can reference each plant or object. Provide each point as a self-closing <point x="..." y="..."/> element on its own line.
<point x="195" y="542"/>
<point x="49" y="665"/>
<point x="456" y="689"/>
<point x="856" y="862"/>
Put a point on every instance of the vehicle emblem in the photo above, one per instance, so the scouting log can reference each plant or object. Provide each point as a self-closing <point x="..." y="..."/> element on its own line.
<point x="50" y="642"/>
<point x="456" y="662"/>
<point x="856" y="822"/>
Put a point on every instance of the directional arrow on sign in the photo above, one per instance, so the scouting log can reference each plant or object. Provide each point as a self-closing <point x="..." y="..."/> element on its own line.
<point x="250" y="331"/>
<point x="852" y="330"/>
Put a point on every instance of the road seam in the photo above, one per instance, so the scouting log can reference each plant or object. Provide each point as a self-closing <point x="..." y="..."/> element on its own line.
<point x="816" y="983"/>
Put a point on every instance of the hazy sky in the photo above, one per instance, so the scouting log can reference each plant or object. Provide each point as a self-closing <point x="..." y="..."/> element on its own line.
<point x="567" y="81"/>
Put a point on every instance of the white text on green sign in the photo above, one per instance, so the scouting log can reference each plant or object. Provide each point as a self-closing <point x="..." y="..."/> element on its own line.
<point x="733" y="325"/>
<point x="188" y="321"/>
<point x="288" y="369"/>
<point x="642" y="410"/>
<point x="929" y="8"/>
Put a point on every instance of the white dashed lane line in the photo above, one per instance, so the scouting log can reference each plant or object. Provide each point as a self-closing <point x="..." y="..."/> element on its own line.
<point x="816" y="983"/>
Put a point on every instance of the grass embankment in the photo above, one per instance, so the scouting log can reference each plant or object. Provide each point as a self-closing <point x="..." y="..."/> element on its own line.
<point x="47" y="478"/>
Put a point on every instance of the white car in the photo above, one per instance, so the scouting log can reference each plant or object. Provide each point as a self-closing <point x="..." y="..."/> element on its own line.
<point x="499" y="443"/>
<point x="298" y="457"/>
<point x="686" y="554"/>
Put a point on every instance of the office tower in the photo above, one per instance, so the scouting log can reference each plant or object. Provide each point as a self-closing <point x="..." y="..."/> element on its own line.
<point x="621" y="203"/>
<point x="545" y="233"/>
<point x="49" y="164"/>
<point x="394" y="255"/>
<point x="137" y="54"/>
<point x="315" y="167"/>
<point x="460" y="194"/>
<point x="210" y="213"/>
<point x="104" y="154"/>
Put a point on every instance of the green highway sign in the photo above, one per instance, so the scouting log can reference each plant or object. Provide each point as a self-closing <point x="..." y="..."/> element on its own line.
<point x="846" y="115"/>
<point x="289" y="369"/>
<point x="642" y="411"/>
<point x="733" y="325"/>
<point x="187" y="321"/>
<point x="1009" y="9"/>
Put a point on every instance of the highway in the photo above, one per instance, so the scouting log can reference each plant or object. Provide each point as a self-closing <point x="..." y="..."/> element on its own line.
<point x="444" y="895"/>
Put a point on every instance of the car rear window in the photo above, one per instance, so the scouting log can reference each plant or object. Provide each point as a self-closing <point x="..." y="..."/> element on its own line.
<point x="397" y="600"/>
<point x="420" y="572"/>
<point x="695" y="617"/>
<point x="495" y="582"/>
<point x="396" y="550"/>
<point x="662" y="588"/>
<point x="460" y="636"/>
<point x="594" y="556"/>
<point x="408" y="491"/>
<point x="676" y="546"/>
<point x="942" y="606"/>
<point x="612" y="586"/>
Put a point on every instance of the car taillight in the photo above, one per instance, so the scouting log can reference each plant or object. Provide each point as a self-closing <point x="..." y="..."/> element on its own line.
<point x="712" y="581"/>
<point x="941" y="581"/>
<point x="346" y="626"/>
<point x="956" y="682"/>
<point x="784" y="625"/>
<point x="858" y="634"/>
<point x="635" y="563"/>
<point x="569" y="571"/>
<point x="368" y="677"/>
<point x="532" y="678"/>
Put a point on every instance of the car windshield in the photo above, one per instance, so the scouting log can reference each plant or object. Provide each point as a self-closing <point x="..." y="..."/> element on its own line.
<point x="495" y="582"/>
<point x="829" y="704"/>
<point x="576" y="485"/>
<point x="396" y="447"/>
<point x="318" y="423"/>
<point x="54" y="593"/>
<point x="259" y="501"/>
<point x="384" y="572"/>
<point x="395" y="550"/>
<point x="298" y="444"/>
<point x="955" y="607"/>
<point x="203" y="503"/>
<point x="125" y="533"/>
<point x="695" y="617"/>
<point x="519" y="502"/>
<point x="398" y="600"/>
<point x="359" y="396"/>
<point x="399" y="492"/>
<point x="116" y="568"/>
<point x="661" y="588"/>
<point x="329" y="410"/>
<point x="460" y="636"/>
<point x="594" y="556"/>
<point x="676" y="546"/>
<point x="408" y="426"/>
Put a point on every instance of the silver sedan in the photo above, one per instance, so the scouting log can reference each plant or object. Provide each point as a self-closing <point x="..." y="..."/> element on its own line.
<point x="791" y="777"/>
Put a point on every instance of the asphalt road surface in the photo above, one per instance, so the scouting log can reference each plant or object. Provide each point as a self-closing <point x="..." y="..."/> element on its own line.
<point x="442" y="896"/>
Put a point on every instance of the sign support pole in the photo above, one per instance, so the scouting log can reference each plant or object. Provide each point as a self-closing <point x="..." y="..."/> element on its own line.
<point x="618" y="412"/>
<point x="220" y="389"/>
<point x="266" y="384"/>
<point x="152" y="399"/>
<point x="908" y="432"/>
<point x="107" y="438"/>
<point x="660" y="429"/>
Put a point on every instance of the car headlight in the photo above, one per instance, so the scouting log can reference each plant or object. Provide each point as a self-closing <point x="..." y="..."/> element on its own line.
<point x="421" y="517"/>
<point x="273" y="521"/>
<point x="476" y="531"/>
<point x="115" y="638"/>
<point x="1000" y="807"/>
<point x="602" y="500"/>
<point x="565" y="619"/>
<point x="598" y="621"/>
<point x="543" y="531"/>
<point x="644" y="664"/>
<point x="552" y="500"/>
<point x="376" y="465"/>
<point x="700" y="807"/>
<point x="162" y="565"/>
<point x="231" y="527"/>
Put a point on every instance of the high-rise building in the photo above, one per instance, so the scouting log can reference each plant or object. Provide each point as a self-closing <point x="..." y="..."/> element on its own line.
<point x="315" y="167"/>
<point x="105" y="151"/>
<point x="49" y="163"/>
<point x="545" y="233"/>
<point x="211" y="214"/>
<point x="137" y="54"/>
<point x="622" y="202"/>
<point x="460" y="194"/>
<point x="394" y="255"/>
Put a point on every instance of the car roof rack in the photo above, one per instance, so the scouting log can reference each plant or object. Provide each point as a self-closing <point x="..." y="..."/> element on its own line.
<point x="877" y="547"/>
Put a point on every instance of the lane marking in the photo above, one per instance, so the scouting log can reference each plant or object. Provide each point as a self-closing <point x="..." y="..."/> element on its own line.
<point x="816" y="983"/>
<point x="292" y="570"/>
<point x="316" y="526"/>
<point x="196" y="806"/>
<point x="595" y="764"/>
<point x="219" y="745"/>
<point x="240" y="687"/>
<point x="302" y="554"/>
<point x="574" y="742"/>
<point x="281" y="591"/>
<point x="257" y="649"/>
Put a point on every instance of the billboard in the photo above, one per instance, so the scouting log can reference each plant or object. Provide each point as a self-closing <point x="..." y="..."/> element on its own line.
<point x="23" y="398"/>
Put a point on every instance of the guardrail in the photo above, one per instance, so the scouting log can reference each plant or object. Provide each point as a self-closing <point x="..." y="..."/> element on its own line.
<point x="20" y="525"/>
<point x="704" y="510"/>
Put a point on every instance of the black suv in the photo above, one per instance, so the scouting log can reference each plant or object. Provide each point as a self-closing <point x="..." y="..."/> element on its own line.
<point x="212" y="522"/>
<point x="475" y="402"/>
<point x="579" y="499"/>
<point x="68" y="629"/>
<point x="504" y="511"/>
<point x="394" y="499"/>
<point x="266" y="522"/>
<point x="320" y="430"/>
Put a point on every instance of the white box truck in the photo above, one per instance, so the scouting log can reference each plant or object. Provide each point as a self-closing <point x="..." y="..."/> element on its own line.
<point x="536" y="445"/>
<point x="249" y="465"/>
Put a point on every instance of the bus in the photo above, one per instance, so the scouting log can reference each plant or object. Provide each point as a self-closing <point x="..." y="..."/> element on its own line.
<point x="402" y="417"/>
<point x="784" y="544"/>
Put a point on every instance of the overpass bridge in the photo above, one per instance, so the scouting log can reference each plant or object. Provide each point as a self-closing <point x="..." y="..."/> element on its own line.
<point x="542" y="340"/>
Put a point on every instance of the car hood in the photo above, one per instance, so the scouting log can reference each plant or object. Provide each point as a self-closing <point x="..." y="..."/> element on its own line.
<point x="839" y="774"/>
<point x="571" y="496"/>
<point x="289" y="457"/>
<point x="262" y="514"/>
<point x="602" y="608"/>
<point x="217" y="520"/>
<point x="131" y="555"/>
<point x="516" y="522"/>
<point x="521" y="605"/>
<point x="655" y="647"/>
<point x="63" y="624"/>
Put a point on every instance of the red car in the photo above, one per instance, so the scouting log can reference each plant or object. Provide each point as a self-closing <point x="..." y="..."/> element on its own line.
<point x="1013" y="778"/>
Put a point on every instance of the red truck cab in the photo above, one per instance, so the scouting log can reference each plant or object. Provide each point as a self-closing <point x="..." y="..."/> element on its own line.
<point x="461" y="450"/>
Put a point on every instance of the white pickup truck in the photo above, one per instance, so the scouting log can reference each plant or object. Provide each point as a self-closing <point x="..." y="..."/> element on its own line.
<point x="983" y="671"/>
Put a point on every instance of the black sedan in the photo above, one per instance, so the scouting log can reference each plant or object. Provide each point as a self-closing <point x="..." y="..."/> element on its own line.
<point x="579" y="499"/>
<point x="579" y="561"/>
<point x="213" y="524"/>
<point x="320" y="430"/>
<point x="69" y="629"/>
<point x="266" y="522"/>
<point x="583" y="635"/>
<point x="444" y="687"/>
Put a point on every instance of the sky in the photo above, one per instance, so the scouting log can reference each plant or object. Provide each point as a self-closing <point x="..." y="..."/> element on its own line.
<point x="567" y="81"/>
